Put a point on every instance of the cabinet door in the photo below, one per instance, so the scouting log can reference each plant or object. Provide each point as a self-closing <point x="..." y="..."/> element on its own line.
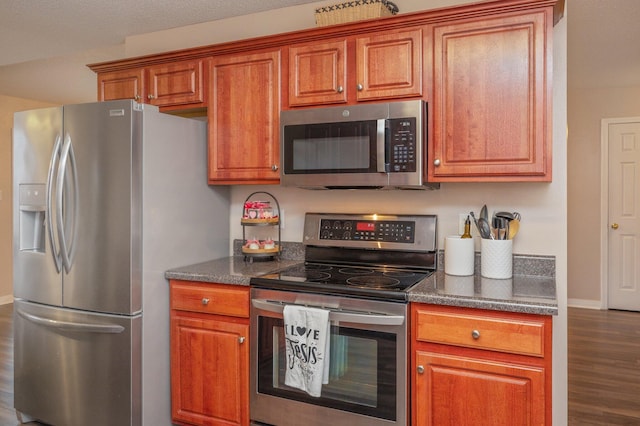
<point x="317" y="73"/>
<point x="462" y="391"/>
<point x="389" y="65"/>
<point x="244" y="108"/>
<point x="209" y="370"/>
<point x="127" y="84"/>
<point x="492" y="100"/>
<point x="177" y="83"/>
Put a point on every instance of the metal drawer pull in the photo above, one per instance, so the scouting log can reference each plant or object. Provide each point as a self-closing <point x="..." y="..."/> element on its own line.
<point x="475" y="334"/>
<point x="420" y="369"/>
<point x="205" y="301"/>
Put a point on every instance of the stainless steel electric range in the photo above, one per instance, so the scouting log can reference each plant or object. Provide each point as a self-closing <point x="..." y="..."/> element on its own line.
<point x="360" y="268"/>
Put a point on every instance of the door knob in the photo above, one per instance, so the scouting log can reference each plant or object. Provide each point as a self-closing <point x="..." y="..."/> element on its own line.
<point x="274" y="167"/>
<point x="420" y="369"/>
<point x="205" y="301"/>
<point x="360" y="87"/>
<point x="340" y="89"/>
<point x="436" y="162"/>
<point x="614" y="226"/>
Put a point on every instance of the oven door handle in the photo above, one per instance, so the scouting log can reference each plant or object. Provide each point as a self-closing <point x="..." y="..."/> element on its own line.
<point x="337" y="315"/>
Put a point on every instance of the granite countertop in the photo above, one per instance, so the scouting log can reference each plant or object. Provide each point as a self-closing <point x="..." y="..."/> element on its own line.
<point x="527" y="292"/>
<point x="521" y="293"/>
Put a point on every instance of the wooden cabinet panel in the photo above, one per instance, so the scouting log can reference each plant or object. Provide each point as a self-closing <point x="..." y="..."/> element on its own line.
<point x="209" y="354"/>
<point x="177" y="83"/>
<point x="244" y="111"/>
<point x="209" y="370"/>
<point x="464" y="391"/>
<point x="382" y="65"/>
<point x="389" y="65"/>
<point x="499" y="376"/>
<point x="127" y="84"/>
<point x="492" y="99"/>
<point x="318" y="73"/>
<point x="210" y="298"/>
<point x="513" y="335"/>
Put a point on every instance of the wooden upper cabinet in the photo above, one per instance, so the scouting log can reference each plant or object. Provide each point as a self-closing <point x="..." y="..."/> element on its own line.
<point x="318" y="73"/>
<point x="126" y="84"/>
<point x="377" y="66"/>
<point x="179" y="83"/>
<point x="492" y="99"/>
<point x="389" y="65"/>
<point x="175" y="84"/>
<point x="244" y="117"/>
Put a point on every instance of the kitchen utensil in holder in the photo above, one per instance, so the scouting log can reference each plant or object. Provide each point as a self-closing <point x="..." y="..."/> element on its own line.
<point x="496" y="258"/>
<point x="258" y="215"/>
<point x="459" y="255"/>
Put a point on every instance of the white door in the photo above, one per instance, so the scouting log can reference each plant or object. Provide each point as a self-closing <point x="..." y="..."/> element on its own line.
<point x="623" y="235"/>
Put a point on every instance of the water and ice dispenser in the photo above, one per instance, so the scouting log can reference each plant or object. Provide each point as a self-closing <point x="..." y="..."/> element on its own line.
<point x="32" y="199"/>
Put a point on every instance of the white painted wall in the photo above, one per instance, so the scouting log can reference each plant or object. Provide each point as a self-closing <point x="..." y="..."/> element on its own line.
<point x="586" y="108"/>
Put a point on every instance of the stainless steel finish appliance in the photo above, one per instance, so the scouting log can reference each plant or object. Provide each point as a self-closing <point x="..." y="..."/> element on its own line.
<point x="380" y="145"/>
<point x="359" y="268"/>
<point x="107" y="196"/>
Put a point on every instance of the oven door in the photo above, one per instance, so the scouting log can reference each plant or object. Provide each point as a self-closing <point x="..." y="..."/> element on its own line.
<point x="368" y="374"/>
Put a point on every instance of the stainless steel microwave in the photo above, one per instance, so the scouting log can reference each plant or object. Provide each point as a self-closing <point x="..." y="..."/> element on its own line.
<point x="362" y="146"/>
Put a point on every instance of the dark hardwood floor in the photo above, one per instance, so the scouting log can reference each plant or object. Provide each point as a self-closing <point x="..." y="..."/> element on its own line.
<point x="604" y="368"/>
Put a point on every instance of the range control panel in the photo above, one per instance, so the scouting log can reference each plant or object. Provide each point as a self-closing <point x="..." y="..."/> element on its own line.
<point x="368" y="230"/>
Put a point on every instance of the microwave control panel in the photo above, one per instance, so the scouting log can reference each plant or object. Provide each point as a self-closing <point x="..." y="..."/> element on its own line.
<point x="366" y="230"/>
<point x="401" y="149"/>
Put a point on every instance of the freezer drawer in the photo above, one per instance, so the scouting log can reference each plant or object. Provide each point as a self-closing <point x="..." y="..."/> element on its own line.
<point x="76" y="368"/>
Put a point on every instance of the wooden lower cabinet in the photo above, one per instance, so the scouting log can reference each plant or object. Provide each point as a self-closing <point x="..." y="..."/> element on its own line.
<point x="209" y="354"/>
<point x="480" y="368"/>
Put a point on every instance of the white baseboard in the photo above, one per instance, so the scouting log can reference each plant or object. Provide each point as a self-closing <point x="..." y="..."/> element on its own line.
<point x="6" y="299"/>
<point x="585" y="303"/>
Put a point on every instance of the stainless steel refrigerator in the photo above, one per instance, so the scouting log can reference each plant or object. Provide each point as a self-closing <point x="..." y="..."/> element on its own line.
<point x="107" y="196"/>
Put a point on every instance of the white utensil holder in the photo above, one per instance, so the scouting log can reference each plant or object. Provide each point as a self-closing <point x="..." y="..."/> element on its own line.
<point x="496" y="258"/>
<point x="459" y="255"/>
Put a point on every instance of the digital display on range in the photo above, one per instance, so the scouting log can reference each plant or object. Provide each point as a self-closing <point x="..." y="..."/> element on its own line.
<point x="365" y="226"/>
<point x="383" y="230"/>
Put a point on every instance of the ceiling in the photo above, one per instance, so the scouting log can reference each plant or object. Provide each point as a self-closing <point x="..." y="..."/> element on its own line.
<point x="603" y="35"/>
<point x="37" y="29"/>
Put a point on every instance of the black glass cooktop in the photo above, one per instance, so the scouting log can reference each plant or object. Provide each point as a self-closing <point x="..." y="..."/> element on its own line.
<point x="361" y="281"/>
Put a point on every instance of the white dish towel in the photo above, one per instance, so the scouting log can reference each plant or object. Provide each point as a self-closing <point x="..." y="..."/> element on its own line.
<point x="306" y="332"/>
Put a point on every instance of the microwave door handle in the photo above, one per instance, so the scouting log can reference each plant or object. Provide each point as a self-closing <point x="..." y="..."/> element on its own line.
<point x="383" y="146"/>
<point x="336" y="315"/>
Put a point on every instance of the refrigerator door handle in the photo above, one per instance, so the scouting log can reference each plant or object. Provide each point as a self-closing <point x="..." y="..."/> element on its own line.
<point x="55" y="251"/>
<point x="71" y="326"/>
<point x="67" y="248"/>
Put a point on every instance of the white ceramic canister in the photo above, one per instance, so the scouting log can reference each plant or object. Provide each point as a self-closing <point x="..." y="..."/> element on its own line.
<point x="459" y="255"/>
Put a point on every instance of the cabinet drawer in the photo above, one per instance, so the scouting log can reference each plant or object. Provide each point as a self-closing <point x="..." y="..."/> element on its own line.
<point x="508" y="333"/>
<point x="217" y="299"/>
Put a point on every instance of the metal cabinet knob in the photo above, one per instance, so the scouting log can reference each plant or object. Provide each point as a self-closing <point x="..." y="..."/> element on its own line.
<point x="241" y="339"/>
<point x="150" y="96"/>
<point x="420" y="369"/>
<point x="436" y="162"/>
<point x="615" y="226"/>
<point x="205" y="301"/>
<point x="340" y="89"/>
<point x="274" y="167"/>
<point x="475" y="334"/>
<point x="360" y="87"/>
<point x="136" y="98"/>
